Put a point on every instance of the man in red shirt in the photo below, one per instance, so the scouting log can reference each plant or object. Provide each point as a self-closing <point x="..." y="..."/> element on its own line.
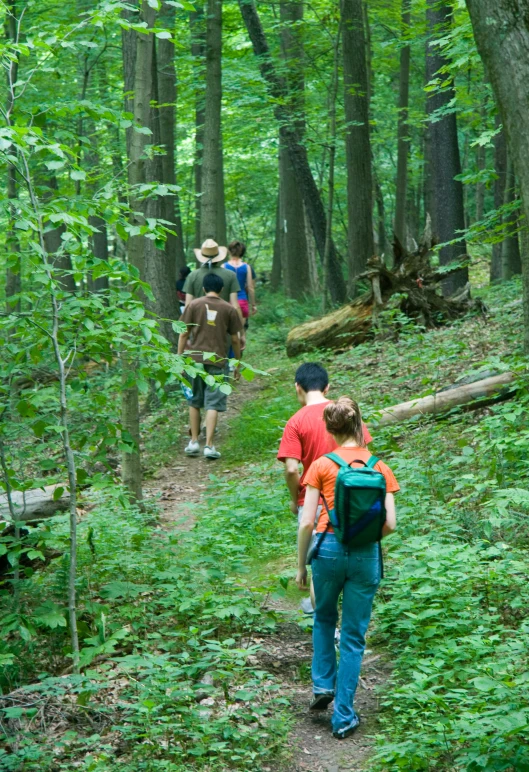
<point x="305" y="437"/>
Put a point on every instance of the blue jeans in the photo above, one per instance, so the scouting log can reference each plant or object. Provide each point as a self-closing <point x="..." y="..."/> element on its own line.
<point x="356" y="572"/>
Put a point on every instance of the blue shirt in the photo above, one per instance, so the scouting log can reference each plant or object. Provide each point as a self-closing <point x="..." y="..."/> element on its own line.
<point x="242" y="276"/>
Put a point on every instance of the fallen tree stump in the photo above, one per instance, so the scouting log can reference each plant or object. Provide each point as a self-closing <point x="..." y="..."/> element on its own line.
<point x="494" y="388"/>
<point x="34" y="504"/>
<point x="412" y="282"/>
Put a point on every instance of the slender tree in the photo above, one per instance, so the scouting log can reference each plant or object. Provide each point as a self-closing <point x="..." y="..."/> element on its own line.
<point x="167" y="95"/>
<point x="293" y="236"/>
<point x="198" y="52"/>
<point x="500" y="168"/>
<point x="210" y="201"/>
<point x="298" y="153"/>
<point x="511" y="264"/>
<point x="444" y="163"/>
<point x="357" y="140"/>
<point x="403" y="141"/>
<point x="14" y="268"/>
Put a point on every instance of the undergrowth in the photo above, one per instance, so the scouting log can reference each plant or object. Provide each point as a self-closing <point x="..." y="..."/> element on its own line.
<point x="170" y="678"/>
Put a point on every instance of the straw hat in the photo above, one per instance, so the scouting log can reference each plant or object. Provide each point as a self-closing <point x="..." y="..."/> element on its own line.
<point x="210" y="250"/>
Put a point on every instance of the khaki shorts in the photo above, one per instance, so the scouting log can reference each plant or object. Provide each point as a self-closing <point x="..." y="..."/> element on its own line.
<point x="208" y="397"/>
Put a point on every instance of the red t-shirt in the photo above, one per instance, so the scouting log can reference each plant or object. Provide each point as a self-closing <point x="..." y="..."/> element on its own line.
<point x="306" y="439"/>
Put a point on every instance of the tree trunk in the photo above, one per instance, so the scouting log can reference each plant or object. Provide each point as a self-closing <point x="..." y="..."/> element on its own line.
<point x="198" y="52"/>
<point x="403" y="142"/>
<point x="298" y="153"/>
<point x="443" y="151"/>
<point x="212" y="123"/>
<point x="333" y="94"/>
<point x="511" y="264"/>
<point x="221" y="229"/>
<point x="167" y="95"/>
<point x="14" y="267"/>
<point x="480" y="186"/>
<point x="99" y="245"/>
<point x="160" y="265"/>
<point x="357" y="141"/>
<point x="53" y="244"/>
<point x="277" y="265"/>
<point x="294" y="251"/>
<point x="137" y="65"/>
<point x="500" y="167"/>
<point x="501" y="31"/>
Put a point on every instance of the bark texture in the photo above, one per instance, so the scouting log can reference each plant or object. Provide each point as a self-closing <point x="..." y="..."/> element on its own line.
<point x="212" y="123"/>
<point x="293" y="237"/>
<point x="403" y="142"/>
<point x="198" y="52"/>
<point x="357" y="141"/>
<point x="13" y="271"/>
<point x="501" y="31"/>
<point x="167" y="95"/>
<point x="298" y="154"/>
<point x="500" y="167"/>
<point x="511" y="262"/>
<point x="443" y="153"/>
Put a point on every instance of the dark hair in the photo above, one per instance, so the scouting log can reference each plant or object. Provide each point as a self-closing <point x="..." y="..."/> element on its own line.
<point x="213" y="282"/>
<point x="237" y="248"/>
<point x="312" y="377"/>
<point x="343" y="417"/>
<point x="185" y="271"/>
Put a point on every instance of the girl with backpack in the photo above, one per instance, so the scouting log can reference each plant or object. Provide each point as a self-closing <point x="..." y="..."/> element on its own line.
<point x="345" y="556"/>
<point x="235" y="263"/>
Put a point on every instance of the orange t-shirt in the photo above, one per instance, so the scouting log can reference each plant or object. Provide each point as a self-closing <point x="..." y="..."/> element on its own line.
<point x="323" y="472"/>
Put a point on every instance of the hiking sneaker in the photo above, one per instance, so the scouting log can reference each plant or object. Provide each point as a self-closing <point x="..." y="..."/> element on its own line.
<point x="210" y="452"/>
<point x="306" y="606"/>
<point x="341" y="734"/>
<point x="193" y="449"/>
<point x="321" y="701"/>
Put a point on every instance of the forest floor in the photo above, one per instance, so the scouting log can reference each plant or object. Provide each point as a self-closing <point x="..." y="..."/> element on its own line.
<point x="287" y="651"/>
<point x="195" y="655"/>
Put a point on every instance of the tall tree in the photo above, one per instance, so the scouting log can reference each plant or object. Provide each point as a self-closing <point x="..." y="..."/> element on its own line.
<point x="210" y="201"/>
<point x="444" y="163"/>
<point x="166" y="74"/>
<point x="137" y="70"/>
<point x="198" y="52"/>
<point x="500" y="169"/>
<point x="511" y="264"/>
<point x="298" y="153"/>
<point x="501" y="31"/>
<point x="403" y="141"/>
<point x="293" y="236"/>
<point x="14" y="268"/>
<point x="357" y="140"/>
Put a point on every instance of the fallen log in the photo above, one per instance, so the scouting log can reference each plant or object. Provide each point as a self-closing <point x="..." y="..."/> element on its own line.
<point x="412" y="285"/>
<point x="34" y="504"/>
<point x="494" y="388"/>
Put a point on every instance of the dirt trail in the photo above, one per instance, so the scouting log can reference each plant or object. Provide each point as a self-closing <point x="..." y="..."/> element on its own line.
<point x="288" y="652"/>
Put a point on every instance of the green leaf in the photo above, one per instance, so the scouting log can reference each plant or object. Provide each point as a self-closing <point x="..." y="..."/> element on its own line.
<point x="57" y="493"/>
<point x="78" y="174"/>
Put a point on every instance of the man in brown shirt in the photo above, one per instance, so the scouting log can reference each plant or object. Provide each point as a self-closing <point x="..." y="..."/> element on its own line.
<point x="213" y="325"/>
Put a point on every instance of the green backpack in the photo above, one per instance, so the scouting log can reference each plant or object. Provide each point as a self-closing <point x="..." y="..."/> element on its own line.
<point x="359" y="511"/>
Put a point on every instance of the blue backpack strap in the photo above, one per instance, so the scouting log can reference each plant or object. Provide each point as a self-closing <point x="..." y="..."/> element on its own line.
<point x="372" y="461"/>
<point x="337" y="460"/>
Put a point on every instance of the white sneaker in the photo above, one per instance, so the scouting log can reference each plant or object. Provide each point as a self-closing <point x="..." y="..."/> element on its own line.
<point x="210" y="452"/>
<point x="193" y="449"/>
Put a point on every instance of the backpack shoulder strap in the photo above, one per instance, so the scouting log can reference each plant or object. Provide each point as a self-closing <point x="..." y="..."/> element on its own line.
<point x="372" y="461"/>
<point x="336" y="458"/>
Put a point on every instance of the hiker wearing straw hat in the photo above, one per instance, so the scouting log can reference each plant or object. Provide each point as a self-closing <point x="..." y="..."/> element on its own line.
<point x="210" y="255"/>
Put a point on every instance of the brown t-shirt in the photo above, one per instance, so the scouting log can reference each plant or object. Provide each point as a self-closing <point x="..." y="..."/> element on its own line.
<point x="214" y="321"/>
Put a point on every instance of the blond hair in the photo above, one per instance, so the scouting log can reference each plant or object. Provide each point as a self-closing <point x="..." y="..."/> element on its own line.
<point x="343" y="417"/>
